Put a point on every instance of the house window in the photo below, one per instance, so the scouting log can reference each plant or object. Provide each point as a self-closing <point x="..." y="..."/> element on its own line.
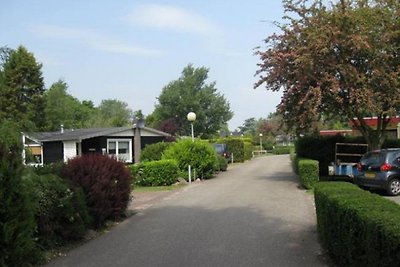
<point x="120" y="148"/>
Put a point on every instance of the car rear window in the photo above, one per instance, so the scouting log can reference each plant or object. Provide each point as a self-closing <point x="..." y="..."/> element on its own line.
<point x="373" y="158"/>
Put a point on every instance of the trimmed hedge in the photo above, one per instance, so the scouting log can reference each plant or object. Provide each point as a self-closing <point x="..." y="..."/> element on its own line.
<point x="356" y="227"/>
<point x="281" y="150"/>
<point x="235" y="147"/>
<point x="222" y="163"/>
<point x="155" y="173"/>
<point x="248" y="150"/>
<point x="308" y="172"/>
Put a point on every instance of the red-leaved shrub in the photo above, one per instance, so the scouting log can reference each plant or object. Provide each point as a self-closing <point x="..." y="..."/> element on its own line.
<point x="106" y="183"/>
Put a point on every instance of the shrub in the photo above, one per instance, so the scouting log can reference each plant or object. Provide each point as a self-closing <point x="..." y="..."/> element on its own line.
<point x="153" y="152"/>
<point x="357" y="228"/>
<point x="155" y="173"/>
<point x="106" y="183"/>
<point x="61" y="212"/>
<point x="235" y="147"/>
<point x="248" y="150"/>
<point x="281" y="150"/>
<point x="200" y="155"/>
<point x="222" y="163"/>
<point x="52" y="168"/>
<point x="17" y="221"/>
<point x="295" y="162"/>
<point x="308" y="172"/>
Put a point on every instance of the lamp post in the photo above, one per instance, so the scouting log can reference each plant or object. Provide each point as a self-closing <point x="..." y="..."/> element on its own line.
<point x="191" y="116"/>
<point x="261" y="141"/>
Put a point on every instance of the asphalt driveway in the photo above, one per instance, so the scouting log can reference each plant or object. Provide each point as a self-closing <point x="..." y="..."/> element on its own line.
<point x="254" y="214"/>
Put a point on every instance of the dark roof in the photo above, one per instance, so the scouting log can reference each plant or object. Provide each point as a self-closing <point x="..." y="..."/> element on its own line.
<point x="81" y="134"/>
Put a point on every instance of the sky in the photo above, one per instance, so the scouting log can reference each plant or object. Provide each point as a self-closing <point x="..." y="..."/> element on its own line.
<point x="130" y="49"/>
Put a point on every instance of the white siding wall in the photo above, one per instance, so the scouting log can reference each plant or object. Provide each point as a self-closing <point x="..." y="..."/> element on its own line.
<point x="69" y="150"/>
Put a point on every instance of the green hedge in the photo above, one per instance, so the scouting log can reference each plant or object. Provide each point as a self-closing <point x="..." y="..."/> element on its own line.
<point x="308" y="172"/>
<point x="357" y="228"/>
<point x="248" y="150"/>
<point x="235" y="147"/>
<point x="281" y="150"/>
<point x="200" y="155"/>
<point x="221" y="163"/>
<point x="155" y="173"/>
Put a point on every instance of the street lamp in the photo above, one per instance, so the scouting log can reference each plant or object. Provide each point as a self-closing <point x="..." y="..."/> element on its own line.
<point x="261" y="141"/>
<point x="191" y="116"/>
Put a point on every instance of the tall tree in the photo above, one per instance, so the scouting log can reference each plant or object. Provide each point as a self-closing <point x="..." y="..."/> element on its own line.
<point x="191" y="93"/>
<point x="341" y="60"/>
<point x="21" y="89"/>
<point x="63" y="108"/>
<point x="112" y="113"/>
<point x="249" y="126"/>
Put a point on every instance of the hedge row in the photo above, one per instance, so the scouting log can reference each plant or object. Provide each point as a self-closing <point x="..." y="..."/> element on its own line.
<point x="357" y="228"/>
<point x="155" y="173"/>
<point x="308" y="172"/>
<point x="281" y="150"/>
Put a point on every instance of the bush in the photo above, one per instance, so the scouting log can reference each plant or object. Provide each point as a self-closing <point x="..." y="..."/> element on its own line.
<point x="248" y="150"/>
<point x="153" y="152"/>
<point x="235" y="147"/>
<point x="61" y="212"/>
<point x="52" y="168"/>
<point x="308" y="172"/>
<point x="281" y="150"/>
<point x="155" y="173"/>
<point x="295" y="162"/>
<point x="106" y="183"/>
<point x="357" y="228"/>
<point x="200" y="155"/>
<point x="17" y="221"/>
<point x="222" y="163"/>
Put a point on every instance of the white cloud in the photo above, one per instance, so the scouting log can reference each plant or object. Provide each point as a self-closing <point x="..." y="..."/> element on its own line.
<point x="93" y="40"/>
<point x="172" y="18"/>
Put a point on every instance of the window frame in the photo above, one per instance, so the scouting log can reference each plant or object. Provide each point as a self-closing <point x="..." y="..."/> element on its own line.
<point x="117" y="141"/>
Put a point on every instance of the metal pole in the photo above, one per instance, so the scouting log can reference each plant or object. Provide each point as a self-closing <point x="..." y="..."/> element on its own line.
<point x="261" y="143"/>
<point x="192" y="132"/>
<point x="190" y="174"/>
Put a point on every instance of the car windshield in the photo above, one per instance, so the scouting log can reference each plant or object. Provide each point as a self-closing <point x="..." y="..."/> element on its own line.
<point x="219" y="148"/>
<point x="373" y="158"/>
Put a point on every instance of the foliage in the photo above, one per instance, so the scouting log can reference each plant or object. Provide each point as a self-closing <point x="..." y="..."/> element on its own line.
<point x="191" y="93"/>
<point x="16" y="210"/>
<point x="62" y="108"/>
<point x="249" y="126"/>
<point x="112" y="113"/>
<point x="61" y="212"/>
<point x="153" y="152"/>
<point x="155" y="173"/>
<point x="235" y="147"/>
<point x="199" y="155"/>
<point x="357" y="228"/>
<point x="308" y="172"/>
<point x="248" y="150"/>
<point x="221" y="163"/>
<point x="280" y="150"/>
<point x="21" y="90"/>
<point x="106" y="183"/>
<point x="340" y="60"/>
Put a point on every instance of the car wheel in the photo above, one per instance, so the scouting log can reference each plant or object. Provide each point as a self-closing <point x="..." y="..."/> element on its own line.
<point x="394" y="187"/>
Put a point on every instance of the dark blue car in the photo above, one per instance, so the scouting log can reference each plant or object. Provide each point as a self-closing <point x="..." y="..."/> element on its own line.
<point x="380" y="169"/>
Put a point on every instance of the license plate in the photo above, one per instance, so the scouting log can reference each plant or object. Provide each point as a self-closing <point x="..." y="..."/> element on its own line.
<point x="370" y="175"/>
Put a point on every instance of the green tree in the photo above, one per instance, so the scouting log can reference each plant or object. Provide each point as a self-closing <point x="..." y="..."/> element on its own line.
<point x="62" y="108"/>
<point x="112" y="113"/>
<point x="17" y="222"/>
<point x="249" y="126"/>
<point x="21" y="89"/>
<point x="340" y="60"/>
<point x="191" y="93"/>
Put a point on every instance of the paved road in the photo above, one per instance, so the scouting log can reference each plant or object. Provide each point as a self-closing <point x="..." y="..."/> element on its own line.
<point x="252" y="215"/>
